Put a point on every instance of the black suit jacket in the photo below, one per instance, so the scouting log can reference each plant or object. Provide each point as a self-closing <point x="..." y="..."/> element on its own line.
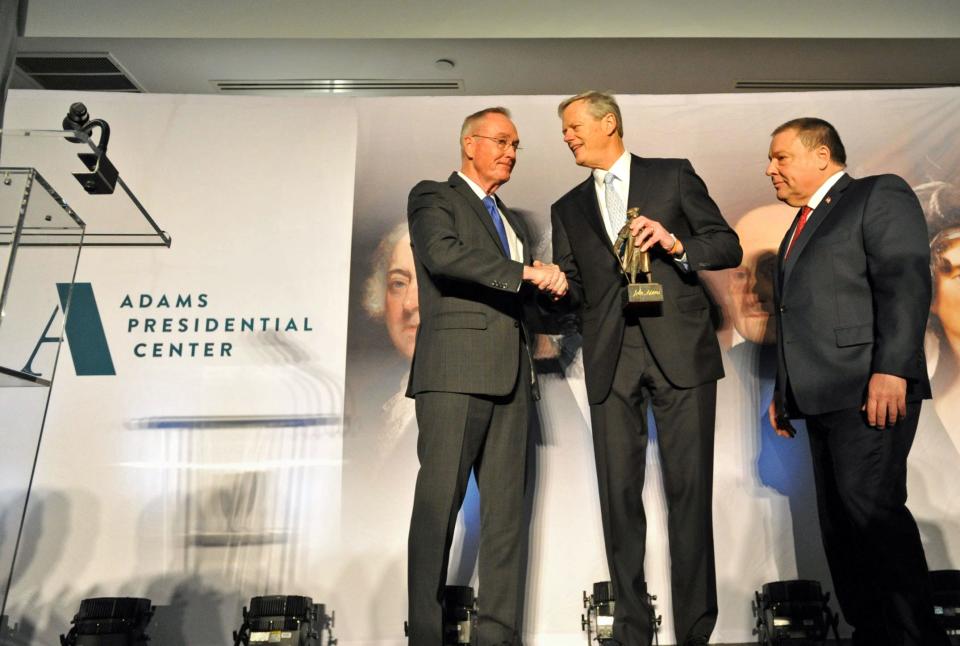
<point x="683" y="339"/>
<point x="471" y="293"/>
<point x="853" y="297"/>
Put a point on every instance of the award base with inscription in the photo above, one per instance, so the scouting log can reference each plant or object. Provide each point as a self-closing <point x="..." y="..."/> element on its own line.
<point x="644" y="293"/>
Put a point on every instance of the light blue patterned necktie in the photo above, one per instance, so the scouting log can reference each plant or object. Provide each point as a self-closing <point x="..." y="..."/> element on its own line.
<point x="616" y="209"/>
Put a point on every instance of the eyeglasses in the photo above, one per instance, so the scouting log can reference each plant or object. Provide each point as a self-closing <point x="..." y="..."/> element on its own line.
<point x="501" y="142"/>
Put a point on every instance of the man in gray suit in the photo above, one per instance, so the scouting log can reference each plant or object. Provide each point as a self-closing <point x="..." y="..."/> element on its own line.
<point x="472" y="378"/>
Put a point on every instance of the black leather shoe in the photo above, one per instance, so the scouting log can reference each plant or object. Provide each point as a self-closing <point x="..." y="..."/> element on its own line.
<point x="696" y="641"/>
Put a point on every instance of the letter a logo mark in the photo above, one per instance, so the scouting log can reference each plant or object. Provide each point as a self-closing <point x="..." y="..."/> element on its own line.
<point x="84" y="332"/>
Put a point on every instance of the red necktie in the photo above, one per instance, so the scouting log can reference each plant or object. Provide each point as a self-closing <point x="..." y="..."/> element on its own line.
<point x="804" y="214"/>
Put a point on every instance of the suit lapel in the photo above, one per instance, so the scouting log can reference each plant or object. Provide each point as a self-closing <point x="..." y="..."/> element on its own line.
<point x="587" y="195"/>
<point x="639" y="184"/>
<point x="457" y="183"/>
<point x="590" y="201"/>
<point x="816" y="218"/>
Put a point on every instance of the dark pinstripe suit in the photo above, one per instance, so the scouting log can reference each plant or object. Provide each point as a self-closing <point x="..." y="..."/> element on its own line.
<point x="471" y="379"/>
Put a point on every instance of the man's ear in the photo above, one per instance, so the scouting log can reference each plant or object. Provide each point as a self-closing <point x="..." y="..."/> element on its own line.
<point x="609" y="123"/>
<point x="823" y="157"/>
<point x="468" y="144"/>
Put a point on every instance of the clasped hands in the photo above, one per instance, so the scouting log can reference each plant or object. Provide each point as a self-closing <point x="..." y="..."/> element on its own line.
<point x="547" y="278"/>
<point x="647" y="233"/>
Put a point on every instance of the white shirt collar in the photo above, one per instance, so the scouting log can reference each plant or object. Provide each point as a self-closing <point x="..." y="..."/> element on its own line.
<point x="473" y="186"/>
<point x="821" y="193"/>
<point x="620" y="169"/>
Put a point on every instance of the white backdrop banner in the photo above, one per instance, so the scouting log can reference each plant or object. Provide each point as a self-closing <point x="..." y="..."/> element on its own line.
<point x="255" y="440"/>
<point x="206" y="470"/>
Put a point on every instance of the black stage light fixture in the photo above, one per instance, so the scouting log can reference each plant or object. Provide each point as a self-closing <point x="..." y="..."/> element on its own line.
<point x="793" y="612"/>
<point x="945" y="585"/>
<point x="110" y="621"/>
<point x="286" y="620"/>
<point x="459" y="615"/>
<point x="102" y="176"/>
<point x="598" y="621"/>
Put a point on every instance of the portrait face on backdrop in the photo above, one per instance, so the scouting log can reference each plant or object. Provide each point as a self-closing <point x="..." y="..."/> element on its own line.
<point x="946" y="284"/>
<point x="751" y="284"/>
<point x="941" y="205"/>
<point x="390" y="291"/>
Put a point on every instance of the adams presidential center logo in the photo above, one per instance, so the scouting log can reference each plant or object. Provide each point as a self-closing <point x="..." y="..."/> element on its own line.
<point x="155" y="327"/>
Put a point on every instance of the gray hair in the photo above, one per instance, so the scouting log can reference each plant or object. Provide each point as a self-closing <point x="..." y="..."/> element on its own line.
<point x="473" y="119"/>
<point x="599" y="104"/>
<point x="375" y="286"/>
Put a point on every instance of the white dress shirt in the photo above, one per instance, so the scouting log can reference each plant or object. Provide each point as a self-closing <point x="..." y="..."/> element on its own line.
<point x="620" y="170"/>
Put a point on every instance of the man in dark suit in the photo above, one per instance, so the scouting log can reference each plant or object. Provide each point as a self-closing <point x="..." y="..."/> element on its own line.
<point x="852" y="296"/>
<point x="472" y="379"/>
<point x="667" y="359"/>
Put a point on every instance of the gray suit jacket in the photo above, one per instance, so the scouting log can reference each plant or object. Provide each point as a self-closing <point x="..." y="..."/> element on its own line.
<point x="471" y="294"/>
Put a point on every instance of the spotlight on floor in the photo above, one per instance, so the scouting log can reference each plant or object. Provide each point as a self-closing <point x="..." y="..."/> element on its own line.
<point x="793" y="612"/>
<point x="946" y="601"/>
<point x="598" y="622"/>
<point x="286" y="620"/>
<point x="459" y="615"/>
<point x="110" y="621"/>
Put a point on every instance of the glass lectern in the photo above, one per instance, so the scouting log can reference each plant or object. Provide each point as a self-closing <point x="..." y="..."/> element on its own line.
<point x="58" y="192"/>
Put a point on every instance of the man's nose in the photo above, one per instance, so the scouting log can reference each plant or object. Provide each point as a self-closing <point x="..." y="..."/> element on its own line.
<point x="411" y="302"/>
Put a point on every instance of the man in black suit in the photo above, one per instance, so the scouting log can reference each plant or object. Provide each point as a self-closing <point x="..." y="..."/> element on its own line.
<point x="472" y="378"/>
<point x="852" y="296"/>
<point x="667" y="359"/>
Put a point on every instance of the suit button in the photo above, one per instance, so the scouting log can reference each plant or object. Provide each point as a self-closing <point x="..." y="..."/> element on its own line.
<point x="516" y="324"/>
<point x="783" y="308"/>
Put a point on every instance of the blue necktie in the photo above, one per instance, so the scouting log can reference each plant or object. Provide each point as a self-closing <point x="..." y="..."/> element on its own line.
<point x="491" y="205"/>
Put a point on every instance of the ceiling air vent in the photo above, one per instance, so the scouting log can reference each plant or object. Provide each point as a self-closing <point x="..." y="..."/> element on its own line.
<point x="71" y="71"/>
<point x="792" y="86"/>
<point x="339" y="86"/>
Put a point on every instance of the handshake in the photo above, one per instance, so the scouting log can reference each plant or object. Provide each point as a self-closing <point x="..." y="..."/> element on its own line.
<point x="547" y="278"/>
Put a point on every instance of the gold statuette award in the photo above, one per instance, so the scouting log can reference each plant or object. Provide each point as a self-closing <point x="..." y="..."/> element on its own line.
<point x="636" y="266"/>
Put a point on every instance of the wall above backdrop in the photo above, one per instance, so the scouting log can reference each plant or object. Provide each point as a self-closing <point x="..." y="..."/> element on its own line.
<point x="382" y="48"/>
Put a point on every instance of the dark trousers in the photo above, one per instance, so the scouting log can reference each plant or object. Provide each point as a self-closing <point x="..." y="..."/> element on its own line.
<point x="457" y="433"/>
<point x="871" y="540"/>
<point x="685" y="431"/>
